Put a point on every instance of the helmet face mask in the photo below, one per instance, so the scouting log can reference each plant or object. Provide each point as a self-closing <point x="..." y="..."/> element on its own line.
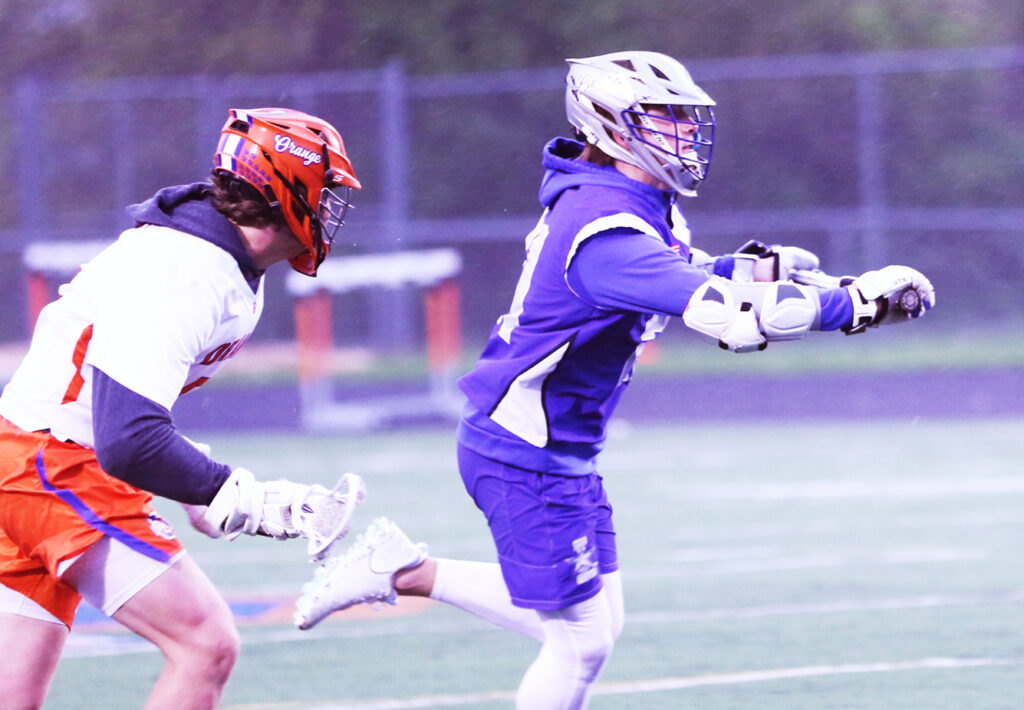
<point x="334" y="205"/>
<point x="298" y="162"/>
<point x="643" y="108"/>
<point x="677" y="143"/>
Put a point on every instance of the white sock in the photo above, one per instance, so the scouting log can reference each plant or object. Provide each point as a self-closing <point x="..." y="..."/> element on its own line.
<point x="612" y="583"/>
<point x="479" y="588"/>
<point x="577" y="642"/>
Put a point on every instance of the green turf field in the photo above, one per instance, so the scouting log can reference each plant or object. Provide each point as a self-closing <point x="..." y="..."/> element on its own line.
<point x="790" y="567"/>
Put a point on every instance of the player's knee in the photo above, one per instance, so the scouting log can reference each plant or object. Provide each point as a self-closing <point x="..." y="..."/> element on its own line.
<point x="220" y="654"/>
<point x="595" y="654"/>
<point x="590" y="648"/>
<point x="210" y="646"/>
<point x="217" y="650"/>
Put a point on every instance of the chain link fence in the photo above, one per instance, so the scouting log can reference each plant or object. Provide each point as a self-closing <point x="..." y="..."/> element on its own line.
<point x="904" y="157"/>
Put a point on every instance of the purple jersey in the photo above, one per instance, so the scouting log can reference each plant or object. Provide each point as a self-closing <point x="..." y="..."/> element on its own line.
<point x="606" y="266"/>
<point x="602" y="274"/>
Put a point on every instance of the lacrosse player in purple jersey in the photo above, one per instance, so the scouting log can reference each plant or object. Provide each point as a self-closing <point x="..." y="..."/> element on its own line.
<point x="606" y="267"/>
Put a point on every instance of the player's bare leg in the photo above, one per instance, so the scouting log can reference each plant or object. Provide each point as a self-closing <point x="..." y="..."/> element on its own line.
<point x="476" y="587"/>
<point x="417" y="581"/>
<point x="191" y="624"/>
<point x="384" y="563"/>
<point x="25" y="676"/>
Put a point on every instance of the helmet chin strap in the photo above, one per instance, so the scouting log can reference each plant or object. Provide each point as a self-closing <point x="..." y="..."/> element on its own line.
<point x="314" y="220"/>
<point x="272" y="200"/>
<point x="328" y="170"/>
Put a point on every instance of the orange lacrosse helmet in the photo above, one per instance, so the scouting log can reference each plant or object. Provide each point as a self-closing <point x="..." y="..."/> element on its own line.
<point x="298" y="163"/>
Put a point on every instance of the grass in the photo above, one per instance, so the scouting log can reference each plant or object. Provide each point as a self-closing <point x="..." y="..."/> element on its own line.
<point x="888" y="350"/>
<point x="776" y="567"/>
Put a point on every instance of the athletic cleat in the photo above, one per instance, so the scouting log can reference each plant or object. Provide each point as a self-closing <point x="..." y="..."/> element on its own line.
<point x="325" y="515"/>
<point x="363" y="574"/>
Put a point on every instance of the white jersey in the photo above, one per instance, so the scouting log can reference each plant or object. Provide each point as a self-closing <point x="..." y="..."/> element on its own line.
<point x="159" y="311"/>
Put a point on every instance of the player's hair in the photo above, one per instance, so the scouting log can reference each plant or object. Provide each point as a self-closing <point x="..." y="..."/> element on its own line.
<point x="241" y="202"/>
<point x="592" y="154"/>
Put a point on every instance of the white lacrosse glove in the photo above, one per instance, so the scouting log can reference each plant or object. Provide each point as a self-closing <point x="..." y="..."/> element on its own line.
<point x="785" y="259"/>
<point x="197" y="517"/>
<point x="892" y="294"/>
<point x="283" y="509"/>
<point x="756" y="261"/>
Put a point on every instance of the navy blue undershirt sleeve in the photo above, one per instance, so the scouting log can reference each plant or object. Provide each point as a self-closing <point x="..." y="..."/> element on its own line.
<point x="135" y="441"/>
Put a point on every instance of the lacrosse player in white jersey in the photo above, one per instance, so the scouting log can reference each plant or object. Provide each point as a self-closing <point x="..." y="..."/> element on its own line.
<point x="86" y="435"/>
<point x="607" y="266"/>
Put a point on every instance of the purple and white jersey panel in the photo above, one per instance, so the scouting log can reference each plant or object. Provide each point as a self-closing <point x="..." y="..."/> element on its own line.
<point x="602" y="273"/>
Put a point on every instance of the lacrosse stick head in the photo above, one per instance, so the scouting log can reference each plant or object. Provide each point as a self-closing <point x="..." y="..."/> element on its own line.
<point x="324" y="516"/>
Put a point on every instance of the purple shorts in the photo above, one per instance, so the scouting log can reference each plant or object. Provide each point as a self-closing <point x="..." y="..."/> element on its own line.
<point x="554" y="533"/>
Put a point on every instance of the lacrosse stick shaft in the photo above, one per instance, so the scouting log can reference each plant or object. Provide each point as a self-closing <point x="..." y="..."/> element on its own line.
<point x="909" y="300"/>
<point x="815" y="278"/>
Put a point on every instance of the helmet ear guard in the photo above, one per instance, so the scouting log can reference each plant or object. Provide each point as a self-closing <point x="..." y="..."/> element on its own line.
<point x="298" y="163"/>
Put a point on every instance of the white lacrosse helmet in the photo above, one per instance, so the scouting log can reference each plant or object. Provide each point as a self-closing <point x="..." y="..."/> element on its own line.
<point x="624" y="94"/>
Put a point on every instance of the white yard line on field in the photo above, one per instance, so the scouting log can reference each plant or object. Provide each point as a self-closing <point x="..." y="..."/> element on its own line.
<point x="647" y="686"/>
<point x="788" y="563"/>
<point x="838" y="606"/>
<point x="922" y="488"/>
<point x="84" y="645"/>
<point x="731" y="530"/>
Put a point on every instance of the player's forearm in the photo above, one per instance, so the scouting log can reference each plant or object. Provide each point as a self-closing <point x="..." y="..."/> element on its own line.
<point x="135" y="441"/>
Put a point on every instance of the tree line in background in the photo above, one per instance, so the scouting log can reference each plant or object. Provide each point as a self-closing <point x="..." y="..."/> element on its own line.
<point x="105" y="38"/>
<point x="765" y="127"/>
<point x="951" y="139"/>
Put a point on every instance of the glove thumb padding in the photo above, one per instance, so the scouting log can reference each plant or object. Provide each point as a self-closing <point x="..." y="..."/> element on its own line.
<point x="789" y="258"/>
<point x="197" y="517"/>
<point x="238" y="505"/>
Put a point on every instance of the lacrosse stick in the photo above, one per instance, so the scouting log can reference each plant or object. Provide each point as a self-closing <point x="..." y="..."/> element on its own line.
<point x="909" y="300"/>
<point x="325" y="515"/>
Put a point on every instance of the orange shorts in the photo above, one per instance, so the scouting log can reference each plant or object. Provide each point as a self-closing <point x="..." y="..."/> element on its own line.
<point x="56" y="501"/>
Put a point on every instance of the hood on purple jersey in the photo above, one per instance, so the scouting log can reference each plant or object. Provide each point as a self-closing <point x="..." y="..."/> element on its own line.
<point x="563" y="172"/>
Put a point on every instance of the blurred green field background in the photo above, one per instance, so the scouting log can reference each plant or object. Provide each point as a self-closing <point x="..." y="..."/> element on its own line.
<point x="874" y="566"/>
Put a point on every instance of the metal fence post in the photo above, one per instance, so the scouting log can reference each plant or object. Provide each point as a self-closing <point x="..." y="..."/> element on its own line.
<point x="125" y="155"/>
<point x="871" y="167"/>
<point x="396" y="329"/>
<point x="30" y="146"/>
